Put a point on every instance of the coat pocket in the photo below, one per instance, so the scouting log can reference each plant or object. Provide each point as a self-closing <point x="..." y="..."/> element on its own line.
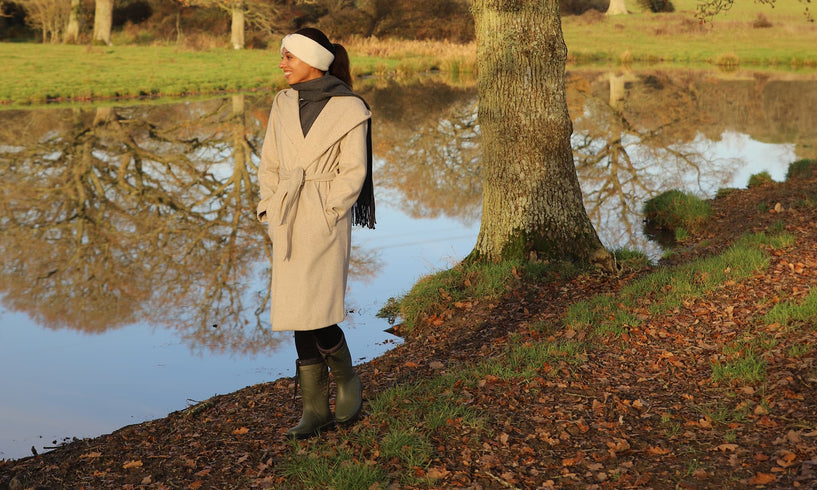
<point x="280" y="241"/>
<point x="328" y="216"/>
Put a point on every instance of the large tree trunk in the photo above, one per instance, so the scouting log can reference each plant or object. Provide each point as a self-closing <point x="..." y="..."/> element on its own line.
<point x="616" y="7"/>
<point x="72" y="30"/>
<point x="532" y="202"/>
<point x="237" y="28"/>
<point x="103" y="19"/>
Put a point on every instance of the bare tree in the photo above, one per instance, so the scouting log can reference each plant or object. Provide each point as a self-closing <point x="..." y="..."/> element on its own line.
<point x="103" y="21"/>
<point x="72" y="30"/>
<point x="260" y="13"/>
<point x="617" y="7"/>
<point x="49" y="16"/>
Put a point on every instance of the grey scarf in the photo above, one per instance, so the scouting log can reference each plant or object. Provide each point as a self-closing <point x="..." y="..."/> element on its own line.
<point x="312" y="98"/>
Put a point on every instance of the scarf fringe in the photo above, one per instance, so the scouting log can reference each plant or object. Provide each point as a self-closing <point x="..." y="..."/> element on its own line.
<point x="363" y="209"/>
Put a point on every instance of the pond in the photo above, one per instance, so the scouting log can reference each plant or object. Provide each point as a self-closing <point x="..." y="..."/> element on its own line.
<point x="134" y="275"/>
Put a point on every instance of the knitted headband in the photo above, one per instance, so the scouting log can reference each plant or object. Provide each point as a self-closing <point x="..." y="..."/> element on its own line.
<point x="307" y="50"/>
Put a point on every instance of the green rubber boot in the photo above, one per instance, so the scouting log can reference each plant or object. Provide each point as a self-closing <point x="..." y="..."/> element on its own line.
<point x="314" y="379"/>
<point x="349" y="399"/>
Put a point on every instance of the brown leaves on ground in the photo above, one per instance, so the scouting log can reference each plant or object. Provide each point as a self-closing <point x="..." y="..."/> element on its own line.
<point x="637" y="410"/>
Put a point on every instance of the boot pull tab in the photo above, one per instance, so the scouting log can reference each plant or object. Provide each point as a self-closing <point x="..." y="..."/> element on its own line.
<point x="297" y="377"/>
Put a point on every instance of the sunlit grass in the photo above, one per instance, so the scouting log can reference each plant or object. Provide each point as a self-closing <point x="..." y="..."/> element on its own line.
<point x="746" y="367"/>
<point x="679" y="37"/>
<point x="795" y="312"/>
<point x="338" y="470"/>
<point x="668" y="288"/>
<point x="35" y="73"/>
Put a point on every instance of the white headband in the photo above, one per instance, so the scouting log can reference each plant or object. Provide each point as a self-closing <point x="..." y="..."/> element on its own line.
<point x="308" y="51"/>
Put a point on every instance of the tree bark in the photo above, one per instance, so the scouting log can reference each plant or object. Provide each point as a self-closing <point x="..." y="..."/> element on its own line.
<point x="103" y="20"/>
<point x="532" y="203"/>
<point x="237" y="27"/>
<point x="72" y="30"/>
<point x="616" y="7"/>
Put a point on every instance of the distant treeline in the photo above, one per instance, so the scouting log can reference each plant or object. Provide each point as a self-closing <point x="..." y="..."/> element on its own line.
<point x="201" y="23"/>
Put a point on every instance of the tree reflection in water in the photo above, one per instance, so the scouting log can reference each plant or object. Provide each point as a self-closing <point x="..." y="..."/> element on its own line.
<point x="114" y="215"/>
<point x="141" y="213"/>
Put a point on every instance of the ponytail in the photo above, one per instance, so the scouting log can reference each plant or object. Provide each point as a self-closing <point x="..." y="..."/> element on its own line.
<point x="340" y="66"/>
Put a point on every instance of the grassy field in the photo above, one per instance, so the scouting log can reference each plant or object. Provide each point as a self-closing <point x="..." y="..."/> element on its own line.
<point x="749" y="34"/>
<point x="36" y="73"/>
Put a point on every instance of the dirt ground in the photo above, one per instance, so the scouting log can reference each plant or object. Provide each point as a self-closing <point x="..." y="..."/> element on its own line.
<point x="641" y="411"/>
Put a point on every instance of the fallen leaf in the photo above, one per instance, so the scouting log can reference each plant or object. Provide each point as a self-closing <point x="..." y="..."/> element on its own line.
<point x="437" y="473"/>
<point x="727" y="447"/>
<point x="572" y="461"/>
<point x="762" y="479"/>
<point x="658" y="451"/>
<point x="241" y="431"/>
<point x="132" y="464"/>
<point x="786" y="459"/>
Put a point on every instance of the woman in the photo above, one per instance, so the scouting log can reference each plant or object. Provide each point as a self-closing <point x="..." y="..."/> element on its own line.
<point x="316" y="182"/>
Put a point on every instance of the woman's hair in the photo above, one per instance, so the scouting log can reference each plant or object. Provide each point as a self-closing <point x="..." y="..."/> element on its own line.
<point x="340" y="66"/>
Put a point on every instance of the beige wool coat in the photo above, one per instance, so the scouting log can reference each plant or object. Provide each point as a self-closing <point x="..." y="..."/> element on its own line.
<point x="308" y="186"/>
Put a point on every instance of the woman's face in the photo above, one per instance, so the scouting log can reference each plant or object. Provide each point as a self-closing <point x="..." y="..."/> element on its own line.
<point x="295" y="70"/>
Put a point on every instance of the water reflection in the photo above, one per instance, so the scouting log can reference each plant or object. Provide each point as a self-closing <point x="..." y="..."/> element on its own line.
<point x="139" y="214"/>
<point x="144" y="215"/>
<point x="639" y="134"/>
<point x="113" y="215"/>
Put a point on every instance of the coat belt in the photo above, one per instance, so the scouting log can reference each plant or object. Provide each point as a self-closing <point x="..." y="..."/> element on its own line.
<point x="289" y="188"/>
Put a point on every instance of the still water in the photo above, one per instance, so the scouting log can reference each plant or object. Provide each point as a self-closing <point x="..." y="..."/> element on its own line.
<point x="134" y="276"/>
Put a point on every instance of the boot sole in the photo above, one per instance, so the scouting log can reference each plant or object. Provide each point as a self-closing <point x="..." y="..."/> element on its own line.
<point x="300" y="437"/>
<point x="351" y="420"/>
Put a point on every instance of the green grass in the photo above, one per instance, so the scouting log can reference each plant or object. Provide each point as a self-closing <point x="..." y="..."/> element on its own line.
<point x="792" y="312"/>
<point x="528" y="360"/>
<point x="669" y="288"/>
<point x="746" y="367"/>
<point x="758" y="179"/>
<point x="801" y="169"/>
<point x="631" y="259"/>
<point x="680" y="38"/>
<point x="333" y="469"/>
<point x="435" y="293"/>
<point x="35" y="73"/>
<point x="673" y="210"/>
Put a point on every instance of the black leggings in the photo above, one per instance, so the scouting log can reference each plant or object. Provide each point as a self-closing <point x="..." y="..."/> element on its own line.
<point x="308" y="341"/>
